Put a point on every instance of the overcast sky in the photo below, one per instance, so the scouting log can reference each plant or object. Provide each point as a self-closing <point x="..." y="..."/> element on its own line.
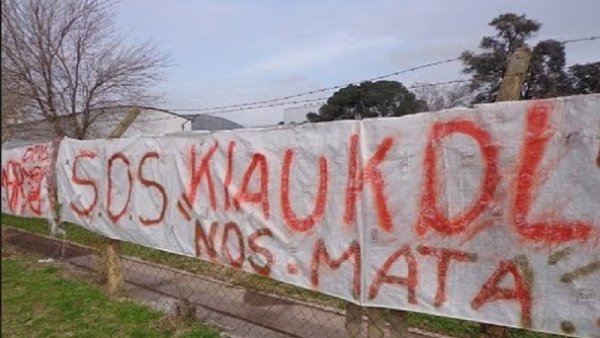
<point x="228" y="52"/>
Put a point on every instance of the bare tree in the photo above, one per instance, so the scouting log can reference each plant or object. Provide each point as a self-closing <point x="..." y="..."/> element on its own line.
<point x="67" y="61"/>
<point x="446" y="96"/>
<point x="12" y="106"/>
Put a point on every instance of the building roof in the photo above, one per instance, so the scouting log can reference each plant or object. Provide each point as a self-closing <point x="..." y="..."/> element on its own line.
<point x="211" y="122"/>
<point x="149" y="122"/>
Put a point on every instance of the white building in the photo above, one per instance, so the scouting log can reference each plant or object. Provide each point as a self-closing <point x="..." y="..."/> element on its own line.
<point x="298" y="114"/>
<point x="148" y="122"/>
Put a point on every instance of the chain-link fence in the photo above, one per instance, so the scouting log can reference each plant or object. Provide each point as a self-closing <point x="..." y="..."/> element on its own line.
<point x="238" y="303"/>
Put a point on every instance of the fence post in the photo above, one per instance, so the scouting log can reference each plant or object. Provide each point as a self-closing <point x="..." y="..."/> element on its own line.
<point x="354" y="314"/>
<point x="493" y="331"/>
<point x="111" y="250"/>
<point x="510" y="87"/>
<point x="122" y="127"/>
<point x="3" y="238"/>
<point x="113" y="265"/>
<point x="510" y="90"/>
<point x="6" y="133"/>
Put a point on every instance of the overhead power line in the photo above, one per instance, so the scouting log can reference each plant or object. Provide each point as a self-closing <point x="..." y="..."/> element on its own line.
<point x="271" y="105"/>
<point x="322" y="99"/>
<point x="590" y="38"/>
<point x="215" y="110"/>
<point x="285" y="100"/>
<point x="320" y="90"/>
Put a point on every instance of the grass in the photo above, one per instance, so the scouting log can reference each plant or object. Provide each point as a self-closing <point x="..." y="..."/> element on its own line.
<point x="38" y="301"/>
<point x="83" y="236"/>
<point x="78" y="234"/>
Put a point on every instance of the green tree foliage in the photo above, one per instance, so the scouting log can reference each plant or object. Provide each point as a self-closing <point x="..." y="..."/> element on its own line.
<point x="488" y="67"/>
<point x="585" y="79"/>
<point x="369" y="99"/>
<point x="546" y="76"/>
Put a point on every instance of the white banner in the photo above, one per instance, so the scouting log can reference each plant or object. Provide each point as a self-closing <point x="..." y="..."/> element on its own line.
<point x="25" y="175"/>
<point x="488" y="214"/>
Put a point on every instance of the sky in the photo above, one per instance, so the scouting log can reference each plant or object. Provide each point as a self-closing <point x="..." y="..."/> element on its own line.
<point x="230" y="52"/>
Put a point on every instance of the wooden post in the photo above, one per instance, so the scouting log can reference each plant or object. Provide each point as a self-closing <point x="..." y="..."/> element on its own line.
<point x="113" y="267"/>
<point x="122" y="127"/>
<point x="6" y="134"/>
<point x="354" y="314"/>
<point x="3" y="244"/>
<point x="55" y="209"/>
<point x="493" y="331"/>
<point x="510" y="90"/>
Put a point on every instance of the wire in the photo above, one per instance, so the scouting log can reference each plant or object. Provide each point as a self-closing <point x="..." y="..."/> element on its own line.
<point x="246" y="108"/>
<point x="266" y="106"/>
<point x="320" y="90"/>
<point x="425" y="85"/>
<point x="142" y="108"/>
<point x="590" y="38"/>
<point x="320" y="99"/>
<point x="260" y="104"/>
<point x="278" y="102"/>
<point x="324" y="98"/>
